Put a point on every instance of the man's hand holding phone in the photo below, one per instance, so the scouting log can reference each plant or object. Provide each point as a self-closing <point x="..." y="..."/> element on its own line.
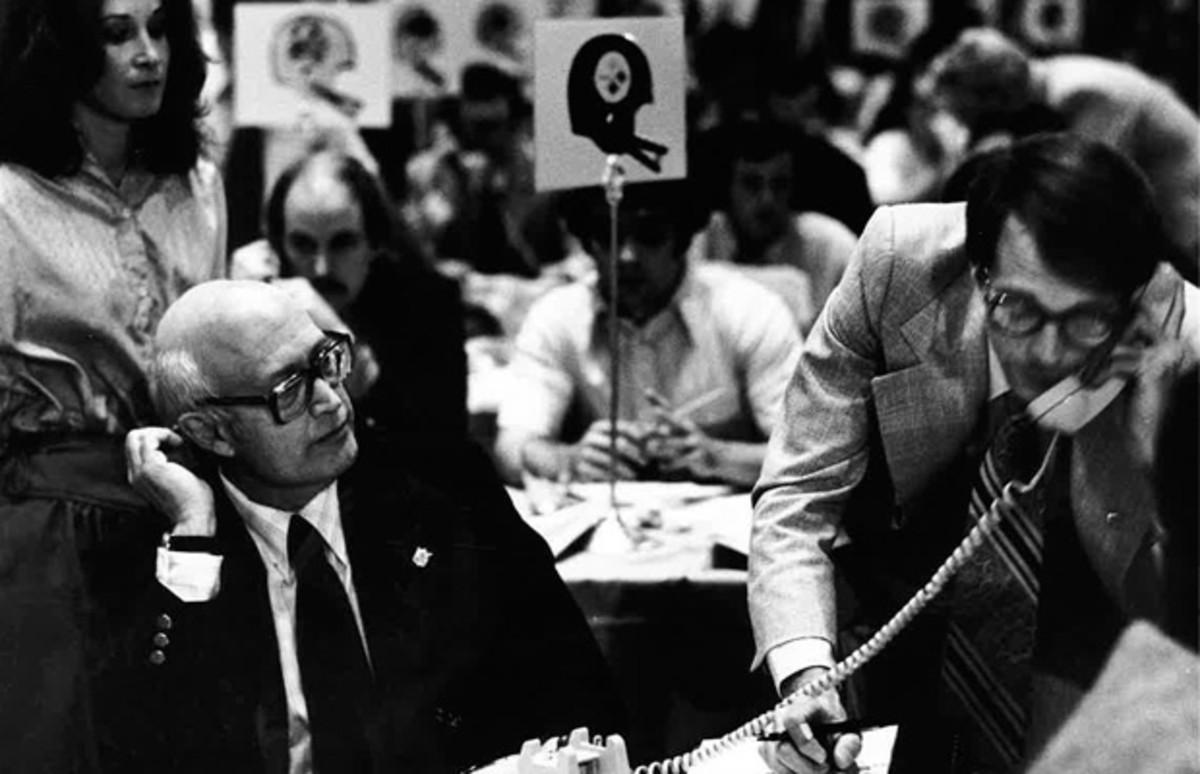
<point x="802" y="752"/>
<point x="169" y="486"/>
<point x="1152" y="364"/>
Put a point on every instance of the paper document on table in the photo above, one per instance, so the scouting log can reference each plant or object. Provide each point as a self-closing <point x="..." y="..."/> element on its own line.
<point x="567" y="526"/>
<point x="650" y="494"/>
<point x="745" y="756"/>
<point x="725" y="519"/>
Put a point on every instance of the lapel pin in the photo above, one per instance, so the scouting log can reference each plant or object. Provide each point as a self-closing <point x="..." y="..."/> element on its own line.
<point x="421" y="556"/>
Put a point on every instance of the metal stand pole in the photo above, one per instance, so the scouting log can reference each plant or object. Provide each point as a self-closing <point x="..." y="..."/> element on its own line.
<point x="614" y="182"/>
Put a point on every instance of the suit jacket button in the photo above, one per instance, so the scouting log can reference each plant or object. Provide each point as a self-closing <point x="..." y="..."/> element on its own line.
<point x="161" y="640"/>
<point x="164" y="622"/>
<point x="157" y="657"/>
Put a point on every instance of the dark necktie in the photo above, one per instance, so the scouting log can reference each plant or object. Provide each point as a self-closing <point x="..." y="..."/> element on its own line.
<point x="993" y="616"/>
<point x="333" y="666"/>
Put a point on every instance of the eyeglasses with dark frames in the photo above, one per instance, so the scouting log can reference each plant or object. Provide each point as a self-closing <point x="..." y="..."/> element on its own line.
<point x="1019" y="314"/>
<point x="332" y="360"/>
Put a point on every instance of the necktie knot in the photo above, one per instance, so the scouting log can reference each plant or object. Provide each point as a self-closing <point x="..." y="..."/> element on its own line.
<point x="303" y="544"/>
<point x="1016" y="444"/>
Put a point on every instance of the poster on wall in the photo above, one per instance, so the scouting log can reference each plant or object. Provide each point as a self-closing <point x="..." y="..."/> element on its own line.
<point x="294" y="62"/>
<point x="885" y="28"/>
<point x="432" y="40"/>
<point x="1055" y="25"/>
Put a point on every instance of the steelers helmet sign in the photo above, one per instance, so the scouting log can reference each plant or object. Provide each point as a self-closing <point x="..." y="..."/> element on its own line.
<point x="608" y="87"/>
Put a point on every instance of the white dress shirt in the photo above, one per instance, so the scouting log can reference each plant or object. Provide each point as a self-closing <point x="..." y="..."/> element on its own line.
<point x="193" y="577"/>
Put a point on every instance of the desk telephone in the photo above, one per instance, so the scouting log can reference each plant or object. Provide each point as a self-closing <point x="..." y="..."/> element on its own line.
<point x="1065" y="408"/>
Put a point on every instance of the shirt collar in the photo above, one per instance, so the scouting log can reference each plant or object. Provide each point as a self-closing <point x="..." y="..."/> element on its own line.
<point x="683" y="309"/>
<point x="270" y="525"/>
<point x="136" y="185"/>
<point x="997" y="381"/>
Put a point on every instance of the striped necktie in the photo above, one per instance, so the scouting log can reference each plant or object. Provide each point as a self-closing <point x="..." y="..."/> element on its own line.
<point x="991" y="632"/>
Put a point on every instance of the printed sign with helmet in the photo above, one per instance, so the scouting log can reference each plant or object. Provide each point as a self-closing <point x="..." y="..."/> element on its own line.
<point x="296" y="63"/>
<point x="609" y="87"/>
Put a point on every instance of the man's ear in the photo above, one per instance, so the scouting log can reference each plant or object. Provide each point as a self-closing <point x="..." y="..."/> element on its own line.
<point x="208" y="431"/>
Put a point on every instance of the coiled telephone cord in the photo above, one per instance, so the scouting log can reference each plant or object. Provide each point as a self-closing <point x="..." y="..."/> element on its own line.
<point x="1003" y="505"/>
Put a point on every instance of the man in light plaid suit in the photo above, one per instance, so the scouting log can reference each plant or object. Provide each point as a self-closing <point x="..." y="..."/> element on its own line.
<point x="1053" y="265"/>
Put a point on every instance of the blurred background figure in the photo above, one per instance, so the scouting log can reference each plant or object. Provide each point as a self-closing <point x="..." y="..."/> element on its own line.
<point x="329" y="223"/>
<point x="826" y="146"/>
<point x="992" y="89"/>
<point x="903" y="156"/>
<point x="799" y="255"/>
<point x="108" y="212"/>
<point x="471" y="194"/>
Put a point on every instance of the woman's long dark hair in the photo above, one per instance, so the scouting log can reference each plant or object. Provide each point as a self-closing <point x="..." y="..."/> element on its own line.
<point x="51" y="56"/>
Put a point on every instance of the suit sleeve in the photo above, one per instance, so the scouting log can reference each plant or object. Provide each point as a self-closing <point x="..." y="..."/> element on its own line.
<point x="818" y="454"/>
<point x="151" y="676"/>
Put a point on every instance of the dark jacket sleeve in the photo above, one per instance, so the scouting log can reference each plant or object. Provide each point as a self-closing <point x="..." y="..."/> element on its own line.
<point x="179" y="686"/>
<point x="519" y="659"/>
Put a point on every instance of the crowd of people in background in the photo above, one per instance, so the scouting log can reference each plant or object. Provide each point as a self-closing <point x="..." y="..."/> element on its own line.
<point x="461" y="311"/>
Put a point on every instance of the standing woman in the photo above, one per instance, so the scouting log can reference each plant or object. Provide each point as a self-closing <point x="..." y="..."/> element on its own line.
<point x="108" y="212"/>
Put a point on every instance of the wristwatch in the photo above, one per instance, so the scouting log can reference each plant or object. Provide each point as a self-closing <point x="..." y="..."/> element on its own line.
<point x="206" y="544"/>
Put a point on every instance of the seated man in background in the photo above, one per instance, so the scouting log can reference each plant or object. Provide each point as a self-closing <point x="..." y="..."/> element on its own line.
<point x="704" y="358"/>
<point x="801" y="99"/>
<point x="329" y="222"/>
<point x="471" y="195"/>
<point x="312" y="606"/>
<point x="801" y="256"/>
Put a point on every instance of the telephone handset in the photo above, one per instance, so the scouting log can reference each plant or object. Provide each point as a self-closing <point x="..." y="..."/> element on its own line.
<point x="1069" y="405"/>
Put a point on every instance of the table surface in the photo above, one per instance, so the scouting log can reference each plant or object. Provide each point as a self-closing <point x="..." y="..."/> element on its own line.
<point x="667" y="606"/>
<point x="658" y="532"/>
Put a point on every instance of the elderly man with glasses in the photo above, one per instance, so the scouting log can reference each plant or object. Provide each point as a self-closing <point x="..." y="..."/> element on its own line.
<point x="1040" y="312"/>
<point x="311" y="607"/>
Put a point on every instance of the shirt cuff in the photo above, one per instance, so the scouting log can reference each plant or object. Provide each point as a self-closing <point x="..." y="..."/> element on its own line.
<point x="192" y="576"/>
<point x="788" y="658"/>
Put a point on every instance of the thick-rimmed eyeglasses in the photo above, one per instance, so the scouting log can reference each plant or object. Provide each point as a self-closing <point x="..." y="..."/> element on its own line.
<point x="332" y="360"/>
<point x="1018" y="314"/>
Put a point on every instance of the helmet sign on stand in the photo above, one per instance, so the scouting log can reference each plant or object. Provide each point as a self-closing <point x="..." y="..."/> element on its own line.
<point x="609" y="93"/>
<point x="609" y="81"/>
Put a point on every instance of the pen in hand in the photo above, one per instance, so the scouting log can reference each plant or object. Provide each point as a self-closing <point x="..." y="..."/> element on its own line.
<point x="820" y="730"/>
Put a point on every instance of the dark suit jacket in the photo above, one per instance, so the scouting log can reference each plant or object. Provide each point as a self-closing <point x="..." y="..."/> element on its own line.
<point x="473" y="653"/>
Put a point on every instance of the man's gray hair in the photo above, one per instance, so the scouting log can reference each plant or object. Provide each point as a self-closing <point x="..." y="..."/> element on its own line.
<point x="177" y="384"/>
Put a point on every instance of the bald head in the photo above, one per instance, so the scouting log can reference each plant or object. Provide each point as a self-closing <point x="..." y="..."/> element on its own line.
<point x="322" y="173"/>
<point x="213" y="339"/>
<point x="250" y="345"/>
